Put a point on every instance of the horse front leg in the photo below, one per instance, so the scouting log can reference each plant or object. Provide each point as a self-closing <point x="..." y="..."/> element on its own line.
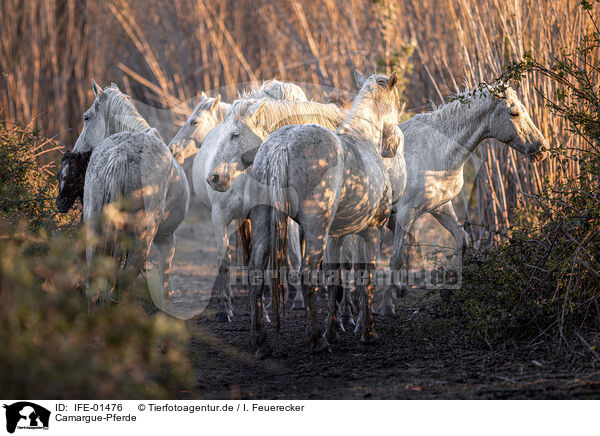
<point x="404" y="220"/>
<point x="223" y="283"/>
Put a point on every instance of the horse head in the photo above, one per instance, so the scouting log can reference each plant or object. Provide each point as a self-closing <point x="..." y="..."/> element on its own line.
<point x="510" y="123"/>
<point x="71" y="179"/>
<point x="233" y="144"/>
<point x="188" y="139"/>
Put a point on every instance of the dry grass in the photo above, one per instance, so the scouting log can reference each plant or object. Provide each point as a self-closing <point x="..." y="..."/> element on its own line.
<point x="165" y="54"/>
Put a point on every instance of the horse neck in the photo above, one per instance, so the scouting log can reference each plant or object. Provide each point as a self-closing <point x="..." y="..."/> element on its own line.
<point x="363" y="121"/>
<point x="464" y="126"/>
<point x="279" y="113"/>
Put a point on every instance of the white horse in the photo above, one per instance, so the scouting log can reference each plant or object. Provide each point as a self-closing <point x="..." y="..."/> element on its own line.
<point x="246" y="125"/>
<point x="208" y="113"/>
<point x="135" y="192"/>
<point x="331" y="184"/>
<point x="437" y="145"/>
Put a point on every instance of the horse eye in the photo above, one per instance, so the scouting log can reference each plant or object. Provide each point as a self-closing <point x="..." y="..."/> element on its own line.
<point x="194" y="121"/>
<point x="86" y="117"/>
<point x="514" y="112"/>
<point x="235" y="135"/>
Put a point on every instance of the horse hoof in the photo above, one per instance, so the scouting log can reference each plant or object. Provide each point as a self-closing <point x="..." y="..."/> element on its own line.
<point x="223" y="317"/>
<point x="320" y="345"/>
<point x="264" y="352"/>
<point x="296" y="305"/>
<point x="331" y="336"/>
<point x="322" y="297"/>
<point x="399" y="291"/>
<point x="369" y="337"/>
<point x="340" y="326"/>
<point x="387" y="310"/>
<point x="348" y="321"/>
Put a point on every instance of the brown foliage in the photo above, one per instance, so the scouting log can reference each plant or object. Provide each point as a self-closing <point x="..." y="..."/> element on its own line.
<point x="166" y="53"/>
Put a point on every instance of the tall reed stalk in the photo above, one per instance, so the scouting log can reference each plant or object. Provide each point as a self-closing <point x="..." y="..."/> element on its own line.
<point x="164" y="54"/>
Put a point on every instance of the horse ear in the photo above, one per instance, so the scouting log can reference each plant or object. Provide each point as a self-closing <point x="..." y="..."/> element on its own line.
<point x="203" y="95"/>
<point x="359" y="78"/>
<point x="113" y="85"/>
<point x="215" y="103"/>
<point x="96" y="88"/>
<point x="393" y="80"/>
<point x="503" y="87"/>
<point x="248" y="157"/>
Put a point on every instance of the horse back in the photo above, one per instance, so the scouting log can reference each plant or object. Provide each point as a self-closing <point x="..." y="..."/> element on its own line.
<point x="365" y="189"/>
<point x="132" y="168"/>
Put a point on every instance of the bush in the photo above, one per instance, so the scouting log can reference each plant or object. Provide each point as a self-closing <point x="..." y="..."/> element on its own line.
<point x="542" y="281"/>
<point x="52" y="348"/>
<point x="28" y="187"/>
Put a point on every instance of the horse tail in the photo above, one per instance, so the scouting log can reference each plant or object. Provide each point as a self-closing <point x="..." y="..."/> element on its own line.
<point x="281" y="209"/>
<point x="244" y="233"/>
<point x="113" y="223"/>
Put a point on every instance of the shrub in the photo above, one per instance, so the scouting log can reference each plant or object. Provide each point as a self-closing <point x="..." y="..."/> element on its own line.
<point x="542" y="281"/>
<point x="28" y="187"/>
<point x="52" y="348"/>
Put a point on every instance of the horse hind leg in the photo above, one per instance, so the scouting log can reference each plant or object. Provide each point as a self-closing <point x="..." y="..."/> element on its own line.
<point x="346" y="306"/>
<point x="295" y="263"/>
<point x="139" y="247"/>
<point x="101" y="240"/>
<point x="365" y="267"/>
<point x="257" y="265"/>
<point x="165" y="244"/>
<point x="446" y="216"/>
<point x="313" y="258"/>
<point x="334" y="287"/>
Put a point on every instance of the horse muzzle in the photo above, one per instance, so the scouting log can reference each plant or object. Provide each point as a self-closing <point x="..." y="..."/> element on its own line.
<point x="540" y="154"/>
<point x="63" y="204"/>
<point x="218" y="182"/>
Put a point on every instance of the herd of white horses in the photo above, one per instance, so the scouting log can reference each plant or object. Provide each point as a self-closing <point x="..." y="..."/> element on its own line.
<point x="315" y="187"/>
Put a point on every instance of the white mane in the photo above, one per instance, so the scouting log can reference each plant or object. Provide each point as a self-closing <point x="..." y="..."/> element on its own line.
<point x="206" y="103"/>
<point x="274" y="114"/>
<point x="120" y="114"/>
<point x="456" y="103"/>
<point x="274" y="89"/>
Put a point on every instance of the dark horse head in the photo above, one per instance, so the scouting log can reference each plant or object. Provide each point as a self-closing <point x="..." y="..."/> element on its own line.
<point x="71" y="179"/>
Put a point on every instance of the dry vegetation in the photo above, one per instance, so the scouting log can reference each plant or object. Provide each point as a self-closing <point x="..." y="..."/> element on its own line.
<point x="165" y="54"/>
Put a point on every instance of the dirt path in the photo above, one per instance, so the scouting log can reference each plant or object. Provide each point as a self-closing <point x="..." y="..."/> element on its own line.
<point x="408" y="362"/>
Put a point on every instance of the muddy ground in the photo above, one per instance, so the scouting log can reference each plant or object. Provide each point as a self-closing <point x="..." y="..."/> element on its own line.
<point x="412" y="360"/>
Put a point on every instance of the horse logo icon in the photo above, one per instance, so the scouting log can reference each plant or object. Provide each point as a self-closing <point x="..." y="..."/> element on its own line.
<point x="26" y="415"/>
